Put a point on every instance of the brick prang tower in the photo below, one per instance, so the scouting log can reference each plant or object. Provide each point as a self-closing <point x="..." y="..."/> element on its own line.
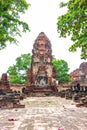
<point x="41" y="74"/>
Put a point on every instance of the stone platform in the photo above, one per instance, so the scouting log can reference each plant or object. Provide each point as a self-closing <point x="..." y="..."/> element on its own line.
<point x="44" y="113"/>
<point x="41" y="91"/>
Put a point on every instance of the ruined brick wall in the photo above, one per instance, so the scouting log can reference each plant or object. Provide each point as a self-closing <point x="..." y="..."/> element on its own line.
<point x="83" y="72"/>
<point x="16" y="87"/>
<point x="80" y="74"/>
<point x="75" y="75"/>
<point x="4" y="83"/>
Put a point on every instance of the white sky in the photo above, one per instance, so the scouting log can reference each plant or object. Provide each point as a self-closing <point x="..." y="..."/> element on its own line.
<point x="41" y="17"/>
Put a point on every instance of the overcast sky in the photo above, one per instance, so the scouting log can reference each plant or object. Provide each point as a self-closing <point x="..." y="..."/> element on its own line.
<point x="41" y="17"/>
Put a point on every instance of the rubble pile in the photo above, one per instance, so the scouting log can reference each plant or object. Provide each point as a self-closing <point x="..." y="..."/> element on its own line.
<point x="77" y="89"/>
<point x="79" y="97"/>
<point x="10" y="100"/>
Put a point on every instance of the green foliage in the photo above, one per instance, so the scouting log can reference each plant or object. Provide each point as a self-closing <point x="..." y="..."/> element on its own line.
<point x="61" y="68"/>
<point x="74" y="24"/>
<point x="18" y="71"/>
<point x="10" y="23"/>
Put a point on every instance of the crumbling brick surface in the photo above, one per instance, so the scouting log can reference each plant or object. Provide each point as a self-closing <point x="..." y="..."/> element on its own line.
<point x="4" y="82"/>
<point x="41" y="74"/>
<point x="80" y="75"/>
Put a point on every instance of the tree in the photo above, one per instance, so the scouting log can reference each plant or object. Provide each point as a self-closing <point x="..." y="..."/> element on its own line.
<point x="18" y="71"/>
<point x="74" y="24"/>
<point x="61" y="68"/>
<point x="10" y="23"/>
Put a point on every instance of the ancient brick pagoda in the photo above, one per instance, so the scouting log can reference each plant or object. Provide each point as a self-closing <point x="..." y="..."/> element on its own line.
<point x="41" y="75"/>
<point x="80" y="75"/>
<point x="4" y="83"/>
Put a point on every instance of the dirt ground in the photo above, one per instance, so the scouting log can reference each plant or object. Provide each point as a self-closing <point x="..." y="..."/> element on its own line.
<point x="44" y="113"/>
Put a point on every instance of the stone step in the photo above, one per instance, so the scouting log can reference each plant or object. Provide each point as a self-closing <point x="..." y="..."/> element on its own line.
<point x="40" y="94"/>
<point x="42" y="90"/>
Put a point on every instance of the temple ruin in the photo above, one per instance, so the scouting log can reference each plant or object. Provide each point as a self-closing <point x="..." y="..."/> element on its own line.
<point x="8" y="99"/>
<point x="79" y="76"/>
<point x="41" y="75"/>
<point x="4" y="82"/>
